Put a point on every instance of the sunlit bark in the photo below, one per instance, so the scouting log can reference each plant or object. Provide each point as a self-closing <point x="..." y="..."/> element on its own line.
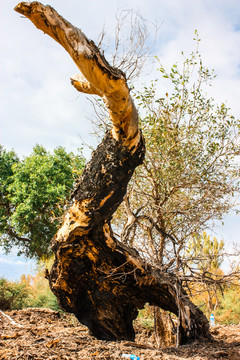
<point x="101" y="280"/>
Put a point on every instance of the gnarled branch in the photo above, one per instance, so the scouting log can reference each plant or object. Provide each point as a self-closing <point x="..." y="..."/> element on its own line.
<point x="108" y="82"/>
<point x="102" y="281"/>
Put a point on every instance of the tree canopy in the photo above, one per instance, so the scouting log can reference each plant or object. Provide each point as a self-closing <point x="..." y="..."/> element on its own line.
<point x="34" y="194"/>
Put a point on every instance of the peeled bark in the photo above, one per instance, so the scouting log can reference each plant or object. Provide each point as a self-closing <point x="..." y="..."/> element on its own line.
<point x="96" y="277"/>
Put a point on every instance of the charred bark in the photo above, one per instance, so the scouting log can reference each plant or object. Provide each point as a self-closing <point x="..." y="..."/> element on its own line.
<point x="99" y="279"/>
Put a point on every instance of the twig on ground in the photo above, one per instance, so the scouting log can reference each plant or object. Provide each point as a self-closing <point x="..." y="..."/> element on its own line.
<point x="11" y="320"/>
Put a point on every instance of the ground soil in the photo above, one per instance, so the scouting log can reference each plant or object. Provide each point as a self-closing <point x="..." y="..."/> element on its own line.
<point x="45" y="334"/>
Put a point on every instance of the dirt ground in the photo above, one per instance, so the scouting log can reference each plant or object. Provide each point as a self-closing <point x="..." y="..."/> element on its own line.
<point x="46" y="334"/>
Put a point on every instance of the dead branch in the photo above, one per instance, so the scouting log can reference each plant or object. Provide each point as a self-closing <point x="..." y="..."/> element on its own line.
<point x="14" y="323"/>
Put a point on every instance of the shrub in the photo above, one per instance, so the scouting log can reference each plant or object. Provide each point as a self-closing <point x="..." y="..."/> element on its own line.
<point x="229" y="309"/>
<point x="13" y="295"/>
<point x="41" y="295"/>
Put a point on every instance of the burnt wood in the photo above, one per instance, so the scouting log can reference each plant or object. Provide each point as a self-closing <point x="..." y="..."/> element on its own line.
<point x="102" y="281"/>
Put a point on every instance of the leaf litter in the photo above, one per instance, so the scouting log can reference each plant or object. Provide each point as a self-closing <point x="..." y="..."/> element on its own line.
<point x="48" y="334"/>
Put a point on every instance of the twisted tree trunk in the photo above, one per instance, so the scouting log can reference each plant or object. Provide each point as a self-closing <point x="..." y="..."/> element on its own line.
<point x="102" y="281"/>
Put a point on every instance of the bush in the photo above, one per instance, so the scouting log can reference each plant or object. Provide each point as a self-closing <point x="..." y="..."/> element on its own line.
<point x="229" y="309"/>
<point x="225" y="306"/>
<point x="13" y="295"/>
<point x="41" y="295"/>
<point x="30" y="291"/>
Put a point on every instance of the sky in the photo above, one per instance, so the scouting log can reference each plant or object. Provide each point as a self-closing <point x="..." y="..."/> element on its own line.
<point x="39" y="105"/>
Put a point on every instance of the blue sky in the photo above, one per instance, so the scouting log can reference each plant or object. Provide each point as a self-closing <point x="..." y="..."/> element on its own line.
<point x="38" y="104"/>
<point x="13" y="266"/>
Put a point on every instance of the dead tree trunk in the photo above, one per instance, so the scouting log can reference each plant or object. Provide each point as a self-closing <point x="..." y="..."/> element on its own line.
<point x="102" y="281"/>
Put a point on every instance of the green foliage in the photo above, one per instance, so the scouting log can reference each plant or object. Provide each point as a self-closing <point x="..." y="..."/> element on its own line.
<point x="205" y="252"/>
<point x="42" y="296"/>
<point x="145" y="317"/>
<point x="31" y="291"/>
<point x="13" y="295"/>
<point x="228" y="311"/>
<point x="204" y="257"/>
<point x="34" y="195"/>
<point x="226" y="307"/>
<point x="47" y="300"/>
<point x="7" y="160"/>
<point x="190" y="175"/>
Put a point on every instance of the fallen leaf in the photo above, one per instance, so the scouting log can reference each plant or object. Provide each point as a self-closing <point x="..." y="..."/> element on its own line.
<point x="10" y="336"/>
<point x="52" y="343"/>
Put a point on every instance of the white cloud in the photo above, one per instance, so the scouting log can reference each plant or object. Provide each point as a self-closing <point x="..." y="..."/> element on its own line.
<point x="15" y="262"/>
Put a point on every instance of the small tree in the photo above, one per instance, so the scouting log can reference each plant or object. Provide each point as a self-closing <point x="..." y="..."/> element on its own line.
<point x="33" y="197"/>
<point x="190" y="174"/>
<point x="191" y="171"/>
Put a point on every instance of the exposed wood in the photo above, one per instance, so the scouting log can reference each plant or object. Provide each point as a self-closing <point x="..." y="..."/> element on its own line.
<point x="164" y="328"/>
<point x="101" y="280"/>
<point x="107" y="81"/>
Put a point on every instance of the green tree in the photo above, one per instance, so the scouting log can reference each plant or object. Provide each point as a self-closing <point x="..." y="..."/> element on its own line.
<point x="7" y="160"/>
<point x="34" y="195"/>
<point x="190" y="175"/>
